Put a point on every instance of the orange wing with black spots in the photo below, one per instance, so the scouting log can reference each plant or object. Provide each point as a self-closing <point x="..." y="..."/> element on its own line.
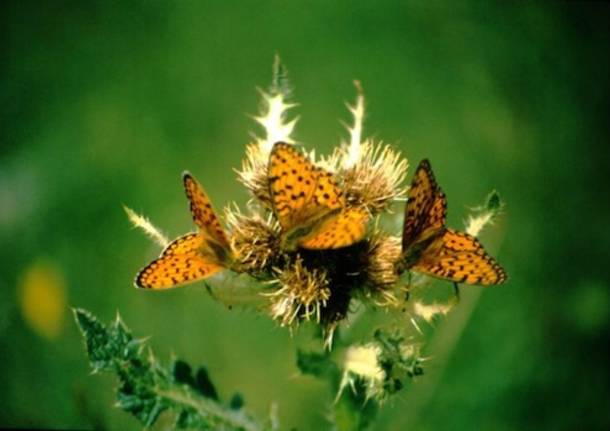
<point x="347" y="228"/>
<point x="184" y="244"/>
<point x="300" y="192"/>
<point x="202" y="211"/>
<point x="308" y="203"/>
<point x="194" y="256"/>
<point x="426" y="208"/>
<point x="327" y="194"/>
<point x="431" y="248"/>
<point x="461" y="258"/>
<point x="183" y="261"/>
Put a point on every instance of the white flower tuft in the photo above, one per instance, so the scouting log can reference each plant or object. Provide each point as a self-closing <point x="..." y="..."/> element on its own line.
<point x="355" y="132"/>
<point x="146" y="225"/>
<point x="274" y="121"/>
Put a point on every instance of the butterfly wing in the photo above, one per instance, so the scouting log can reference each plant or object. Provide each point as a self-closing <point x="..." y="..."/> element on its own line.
<point x="183" y="261"/>
<point x="292" y="181"/>
<point x="342" y="230"/>
<point x="327" y="194"/>
<point x="430" y="248"/>
<point x="461" y="258"/>
<point x="308" y="203"/>
<point x="426" y="209"/>
<point x="202" y="212"/>
<point x="300" y="192"/>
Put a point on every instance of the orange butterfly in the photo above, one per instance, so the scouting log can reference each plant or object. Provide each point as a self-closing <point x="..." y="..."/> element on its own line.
<point x="433" y="249"/>
<point x="194" y="256"/>
<point x="308" y="204"/>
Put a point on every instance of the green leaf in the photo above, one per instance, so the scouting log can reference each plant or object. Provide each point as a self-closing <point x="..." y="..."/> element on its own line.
<point x="353" y="411"/>
<point x="100" y="346"/>
<point x="317" y="364"/>
<point x="204" y="385"/>
<point x="181" y="371"/>
<point x="397" y="359"/>
<point x="237" y="401"/>
<point x="146" y="389"/>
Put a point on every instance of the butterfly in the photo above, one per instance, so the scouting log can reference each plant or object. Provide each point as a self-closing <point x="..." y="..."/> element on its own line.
<point x="308" y="204"/>
<point x="433" y="249"/>
<point x="194" y="256"/>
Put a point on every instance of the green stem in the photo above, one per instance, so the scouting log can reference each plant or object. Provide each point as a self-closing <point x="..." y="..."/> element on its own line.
<point x="209" y="409"/>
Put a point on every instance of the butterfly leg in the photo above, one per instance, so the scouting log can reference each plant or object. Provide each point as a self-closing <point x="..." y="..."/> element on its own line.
<point x="208" y="288"/>
<point x="408" y="290"/>
<point x="456" y="290"/>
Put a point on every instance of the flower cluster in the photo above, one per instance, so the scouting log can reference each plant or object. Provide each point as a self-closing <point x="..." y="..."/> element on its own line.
<point x="318" y="284"/>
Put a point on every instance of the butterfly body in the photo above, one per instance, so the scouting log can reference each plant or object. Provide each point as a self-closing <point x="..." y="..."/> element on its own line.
<point x="427" y="244"/>
<point x="429" y="247"/>
<point x="309" y="205"/>
<point x="194" y="256"/>
<point x="297" y="235"/>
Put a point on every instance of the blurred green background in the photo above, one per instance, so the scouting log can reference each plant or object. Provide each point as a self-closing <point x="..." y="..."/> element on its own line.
<point x="106" y="103"/>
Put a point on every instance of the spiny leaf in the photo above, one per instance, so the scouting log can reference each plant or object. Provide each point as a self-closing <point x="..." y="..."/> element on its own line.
<point x="494" y="202"/>
<point x="279" y="80"/>
<point x="146" y="389"/>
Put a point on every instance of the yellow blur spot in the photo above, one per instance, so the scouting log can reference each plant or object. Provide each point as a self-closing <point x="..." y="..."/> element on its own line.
<point x="42" y="299"/>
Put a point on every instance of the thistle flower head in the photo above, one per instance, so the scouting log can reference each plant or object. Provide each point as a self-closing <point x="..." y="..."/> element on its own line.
<point x="382" y="254"/>
<point x="381" y="366"/>
<point x="255" y="241"/>
<point x="319" y="283"/>
<point x="361" y="362"/>
<point x="375" y="180"/>
<point x="302" y="294"/>
<point x="253" y="173"/>
<point x="372" y="173"/>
